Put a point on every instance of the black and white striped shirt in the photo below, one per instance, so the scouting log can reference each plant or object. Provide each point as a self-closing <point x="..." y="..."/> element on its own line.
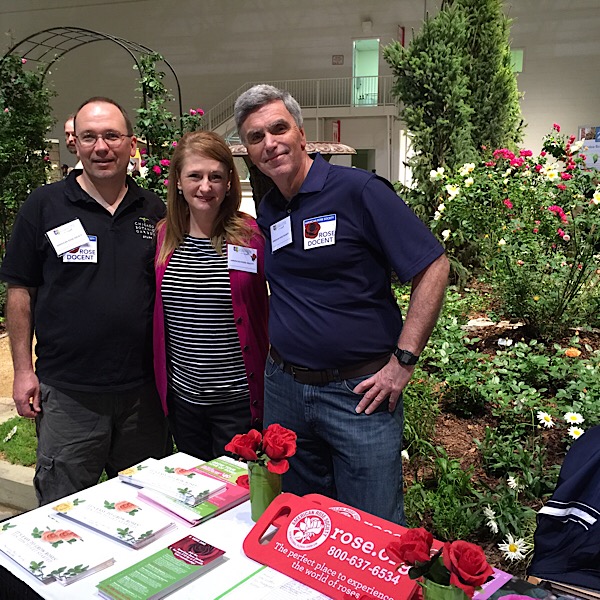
<point x="203" y="348"/>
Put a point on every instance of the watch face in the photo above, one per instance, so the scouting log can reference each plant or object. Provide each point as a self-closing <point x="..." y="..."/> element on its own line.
<point x="405" y="357"/>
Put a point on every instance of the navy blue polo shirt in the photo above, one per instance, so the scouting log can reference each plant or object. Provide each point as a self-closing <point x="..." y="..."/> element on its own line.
<point x="93" y="320"/>
<point x="332" y="305"/>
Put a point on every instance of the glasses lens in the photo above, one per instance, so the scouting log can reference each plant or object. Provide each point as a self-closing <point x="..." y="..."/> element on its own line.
<point x="111" y="138"/>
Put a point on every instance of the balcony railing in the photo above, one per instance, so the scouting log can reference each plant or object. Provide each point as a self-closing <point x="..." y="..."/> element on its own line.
<point x="315" y="93"/>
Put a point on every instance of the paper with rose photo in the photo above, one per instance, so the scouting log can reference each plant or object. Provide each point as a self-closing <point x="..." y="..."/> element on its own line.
<point x="50" y="551"/>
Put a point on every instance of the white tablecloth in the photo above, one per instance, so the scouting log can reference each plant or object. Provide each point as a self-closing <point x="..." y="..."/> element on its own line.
<point x="227" y="531"/>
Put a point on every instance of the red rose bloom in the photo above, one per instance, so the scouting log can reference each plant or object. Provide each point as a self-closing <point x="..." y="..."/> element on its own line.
<point x="467" y="565"/>
<point x="243" y="481"/>
<point x="414" y="546"/>
<point x="278" y="444"/>
<point x="245" y="445"/>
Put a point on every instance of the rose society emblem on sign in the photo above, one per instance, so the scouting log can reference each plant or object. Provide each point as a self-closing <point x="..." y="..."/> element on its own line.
<point x="309" y="529"/>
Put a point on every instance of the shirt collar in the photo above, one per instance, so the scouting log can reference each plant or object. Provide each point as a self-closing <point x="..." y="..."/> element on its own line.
<point x="313" y="182"/>
<point x="75" y="193"/>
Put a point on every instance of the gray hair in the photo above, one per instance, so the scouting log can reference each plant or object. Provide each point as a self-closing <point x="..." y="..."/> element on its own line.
<point x="259" y="95"/>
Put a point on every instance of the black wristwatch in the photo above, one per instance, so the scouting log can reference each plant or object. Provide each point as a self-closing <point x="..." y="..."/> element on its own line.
<point x="405" y="357"/>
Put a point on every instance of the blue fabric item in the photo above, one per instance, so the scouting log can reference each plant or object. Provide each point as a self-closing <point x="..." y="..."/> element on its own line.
<point x="567" y="538"/>
<point x="332" y="305"/>
<point x="350" y="457"/>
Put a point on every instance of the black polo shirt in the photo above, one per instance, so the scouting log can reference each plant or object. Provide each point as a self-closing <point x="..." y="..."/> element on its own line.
<point x="93" y="320"/>
<point x="331" y="298"/>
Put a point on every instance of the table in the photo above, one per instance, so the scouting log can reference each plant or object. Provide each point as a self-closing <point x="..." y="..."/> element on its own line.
<point x="227" y="531"/>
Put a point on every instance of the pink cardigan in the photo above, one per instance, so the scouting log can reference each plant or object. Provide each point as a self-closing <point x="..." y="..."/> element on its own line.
<point x="250" y="311"/>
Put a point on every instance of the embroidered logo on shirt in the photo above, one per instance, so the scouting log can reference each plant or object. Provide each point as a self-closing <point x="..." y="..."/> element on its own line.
<point x="144" y="227"/>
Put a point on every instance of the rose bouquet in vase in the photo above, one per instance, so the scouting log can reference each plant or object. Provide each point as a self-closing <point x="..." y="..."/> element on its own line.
<point x="455" y="572"/>
<point x="266" y="454"/>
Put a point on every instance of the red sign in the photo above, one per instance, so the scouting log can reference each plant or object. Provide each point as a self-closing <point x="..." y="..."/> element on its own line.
<point x="331" y="547"/>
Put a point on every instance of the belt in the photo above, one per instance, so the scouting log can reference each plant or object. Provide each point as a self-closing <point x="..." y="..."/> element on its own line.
<point x="325" y="376"/>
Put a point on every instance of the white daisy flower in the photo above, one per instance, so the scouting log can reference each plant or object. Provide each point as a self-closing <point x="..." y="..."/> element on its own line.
<point x="545" y="419"/>
<point x="502" y="242"/>
<point x="446" y="234"/>
<point x="404" y="455"/>
<point x="469" y="181"/>
<point x="513" y="483"/>
<point x="575" y="432"/>
<point x="437" y="216"/>
<point x="596" y="197"/>
<point x="514" y="549"/>
<point x="573" y="417"/>
<point x="489" y="512"/>
<point x="441" y="207"/>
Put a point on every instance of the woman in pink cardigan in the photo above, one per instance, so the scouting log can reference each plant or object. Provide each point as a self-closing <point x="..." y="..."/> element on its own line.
<point x="210" y="315"/>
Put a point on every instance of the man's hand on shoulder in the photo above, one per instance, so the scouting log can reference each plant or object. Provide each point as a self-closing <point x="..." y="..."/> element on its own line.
<point x="26" y="394"/>
<point x="387" y="382"/>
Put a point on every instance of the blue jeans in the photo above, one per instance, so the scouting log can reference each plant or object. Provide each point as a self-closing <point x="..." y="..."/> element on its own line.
<point x="350" y="457"/>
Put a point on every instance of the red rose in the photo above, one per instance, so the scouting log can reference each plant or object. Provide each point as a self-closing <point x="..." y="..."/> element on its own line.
<point x="245" y="445"/>
<point x="243" y="481"/>
<point x="125" y="506"/>
<point x="414" y="546"/>
<point x="279" y="442"/>
<point x="467" y="565"/>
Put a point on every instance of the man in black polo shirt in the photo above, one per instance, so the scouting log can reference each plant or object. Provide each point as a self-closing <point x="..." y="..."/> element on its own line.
<point x="340" y="354"/>
<point x="80" y="277"/>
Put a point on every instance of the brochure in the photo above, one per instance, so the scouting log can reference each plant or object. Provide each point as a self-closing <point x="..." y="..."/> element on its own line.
<point x="163" y="572"/>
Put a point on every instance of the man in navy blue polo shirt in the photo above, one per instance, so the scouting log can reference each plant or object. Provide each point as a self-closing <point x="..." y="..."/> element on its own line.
<point x="340" y="353"/>
<point x="80" y="276"/>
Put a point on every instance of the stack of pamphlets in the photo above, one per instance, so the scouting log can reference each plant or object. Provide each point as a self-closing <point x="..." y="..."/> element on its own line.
<point x="175" y="476"/>
<point x="223" y="469"/>
<point x="163" y="572"/>
<point x="50" y="552"/>
<point x="115" y="517"/>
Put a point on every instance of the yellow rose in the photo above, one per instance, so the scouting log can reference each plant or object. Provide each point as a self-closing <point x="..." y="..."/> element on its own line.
<point x="129" y="471"/>
<point x="63" y="507"/>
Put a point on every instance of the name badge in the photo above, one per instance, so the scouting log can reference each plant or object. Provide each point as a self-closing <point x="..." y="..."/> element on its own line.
<point x="241" y="258"/>
<point x="281" y="233"/>
<point x="82" y="254"/>
<point x="319" y="231"/>
<point x="67" y="236"/>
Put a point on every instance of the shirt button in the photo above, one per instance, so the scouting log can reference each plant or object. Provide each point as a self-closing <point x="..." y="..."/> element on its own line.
<point x="246" y="348"/>
<point x="254" y="402"/>
<point x="289" y="211"/>
<point x="239" y="320"/>
<point x="251" y="376"/>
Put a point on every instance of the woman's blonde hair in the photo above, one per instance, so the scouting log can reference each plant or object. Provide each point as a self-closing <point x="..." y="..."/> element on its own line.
<point x="230" y="224"/>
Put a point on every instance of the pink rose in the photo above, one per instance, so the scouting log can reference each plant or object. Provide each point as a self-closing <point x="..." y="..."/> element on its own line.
<point x="245" y="445"/>
<point x="556" y="126"/>
<point x="157" y="169"/>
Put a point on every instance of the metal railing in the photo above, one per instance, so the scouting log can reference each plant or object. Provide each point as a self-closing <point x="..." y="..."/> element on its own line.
<point x="315" y="93"/>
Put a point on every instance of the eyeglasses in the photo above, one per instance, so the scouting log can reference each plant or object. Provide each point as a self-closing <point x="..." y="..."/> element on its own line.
<point x="112" y="139"/>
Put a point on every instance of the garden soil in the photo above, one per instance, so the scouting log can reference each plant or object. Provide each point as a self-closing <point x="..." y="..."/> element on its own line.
<point x="6" y="371"/>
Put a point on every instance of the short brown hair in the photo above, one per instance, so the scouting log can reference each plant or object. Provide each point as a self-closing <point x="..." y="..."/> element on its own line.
<point x="128" y="124"/>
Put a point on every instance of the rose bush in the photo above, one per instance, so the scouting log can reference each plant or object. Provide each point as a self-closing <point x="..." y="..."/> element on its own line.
<point x="533" y="223"/>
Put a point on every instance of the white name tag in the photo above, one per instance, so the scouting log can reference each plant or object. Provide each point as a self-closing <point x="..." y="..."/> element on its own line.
<point x="82" y="254"/>
<point x="67" y="236"/>
<point x="281" y="233"/>
<point x="241" y="258"/>
<point x="319" y="231"/>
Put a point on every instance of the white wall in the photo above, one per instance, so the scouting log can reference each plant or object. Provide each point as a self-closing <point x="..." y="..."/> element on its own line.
<point x="217" y="45"/>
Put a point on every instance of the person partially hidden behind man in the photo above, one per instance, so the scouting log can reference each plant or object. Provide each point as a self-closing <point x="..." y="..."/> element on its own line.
<point x="340" y="355"/>
<point x="92" y="393"/>
<point x="70" y="139"/>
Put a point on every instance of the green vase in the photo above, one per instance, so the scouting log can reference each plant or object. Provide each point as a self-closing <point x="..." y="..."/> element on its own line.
<point x="435" y="591"/>
<point x="264" y="487"/>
